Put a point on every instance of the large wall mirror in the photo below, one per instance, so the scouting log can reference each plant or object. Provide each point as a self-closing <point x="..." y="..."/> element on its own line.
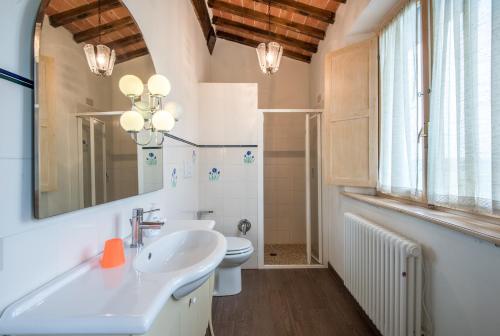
<point x="83" y="157"/>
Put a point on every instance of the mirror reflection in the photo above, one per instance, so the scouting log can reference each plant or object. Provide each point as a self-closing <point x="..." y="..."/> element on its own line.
<point x="84" y="157"/>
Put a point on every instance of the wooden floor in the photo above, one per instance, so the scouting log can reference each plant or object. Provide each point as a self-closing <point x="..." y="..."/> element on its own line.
<point x="302" y="302"/>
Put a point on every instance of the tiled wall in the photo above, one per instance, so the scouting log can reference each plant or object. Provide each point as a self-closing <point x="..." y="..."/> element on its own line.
<point x="284" y="178"/>
<point x="228" y="186"/>
<point x="181" y="177"/>
<point x="229" y="116"/>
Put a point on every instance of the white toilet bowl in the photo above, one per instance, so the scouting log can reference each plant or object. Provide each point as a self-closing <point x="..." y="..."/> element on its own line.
<point x="228" y="274"/>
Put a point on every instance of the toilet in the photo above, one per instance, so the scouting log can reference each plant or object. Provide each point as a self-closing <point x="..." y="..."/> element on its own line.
<point x="228" y="274"/>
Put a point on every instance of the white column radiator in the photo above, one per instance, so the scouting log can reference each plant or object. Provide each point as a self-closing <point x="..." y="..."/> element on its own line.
<point x="383" y="271"/>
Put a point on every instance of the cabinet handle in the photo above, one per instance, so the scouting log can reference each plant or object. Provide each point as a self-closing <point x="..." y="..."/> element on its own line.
<point x="192" y="301"/>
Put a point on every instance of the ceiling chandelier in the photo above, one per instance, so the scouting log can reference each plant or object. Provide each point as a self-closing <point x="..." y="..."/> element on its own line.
<point x="269" y="53"/>
<point x="101" y="58"/>
<point x="148" y="119"/>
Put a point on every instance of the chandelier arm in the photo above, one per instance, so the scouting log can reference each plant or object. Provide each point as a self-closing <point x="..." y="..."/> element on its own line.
<point x="149" y="127"/>
<point x="162" y="139"/>
<point x="269" y="20"/>
<point x="134" y="137"/>
<point x="99" y="19"/>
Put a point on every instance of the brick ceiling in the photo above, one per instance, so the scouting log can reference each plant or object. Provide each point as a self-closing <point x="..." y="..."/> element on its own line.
<point x="299" y="25"/>
<point x="118" y="29"/>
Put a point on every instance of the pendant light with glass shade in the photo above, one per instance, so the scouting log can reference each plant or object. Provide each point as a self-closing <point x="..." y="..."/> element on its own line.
<point x="101" y="59"/>
<point x="270" y="53"/>
<point x="148" y="113"/>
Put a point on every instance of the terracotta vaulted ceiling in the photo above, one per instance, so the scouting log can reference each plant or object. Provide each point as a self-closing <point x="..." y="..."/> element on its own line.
<point x="299" y="25"/>
<point x="118" y="28"/>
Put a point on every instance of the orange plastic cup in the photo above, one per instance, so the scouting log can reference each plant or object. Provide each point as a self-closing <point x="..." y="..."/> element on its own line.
<point x="114" y="254"/>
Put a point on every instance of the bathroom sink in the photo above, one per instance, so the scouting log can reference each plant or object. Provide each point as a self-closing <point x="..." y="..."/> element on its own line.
<point x="181" y="252"/>
<point x="125" y="299"/>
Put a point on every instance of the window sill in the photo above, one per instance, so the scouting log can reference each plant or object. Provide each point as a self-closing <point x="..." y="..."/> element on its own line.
<point x="471" y="225"/>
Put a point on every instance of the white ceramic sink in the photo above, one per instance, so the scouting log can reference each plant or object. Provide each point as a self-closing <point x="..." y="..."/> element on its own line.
<point x="125" y="299"/>
<point x="179" y="251"/>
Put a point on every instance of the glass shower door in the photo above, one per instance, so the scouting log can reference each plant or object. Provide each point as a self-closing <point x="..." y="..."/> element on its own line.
<point x="92" y="157"/>
<point x="313" y="188"/>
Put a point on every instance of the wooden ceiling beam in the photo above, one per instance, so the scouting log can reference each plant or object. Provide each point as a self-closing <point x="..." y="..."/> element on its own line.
<point x="251" y="14"/>
<point x="131" y="54"/>
<point x="302" y="9"/>
<point x="253" y="43"/>
<point x="311" y="47"/>
<point x="104" y="28"/>
<point x="200" y="8"/>
<point x="126" y="41"/>
<point x="82" y="12"/>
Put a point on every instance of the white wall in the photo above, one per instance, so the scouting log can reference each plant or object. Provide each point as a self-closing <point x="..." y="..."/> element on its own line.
<point x="34" y="251"/>
<point x="462" y="273"/>
<point x="236" y="63"/>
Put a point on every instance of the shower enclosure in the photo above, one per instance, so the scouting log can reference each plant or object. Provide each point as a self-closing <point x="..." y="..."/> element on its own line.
<point x="291" y="145"/>
<point x="92" y="161"/>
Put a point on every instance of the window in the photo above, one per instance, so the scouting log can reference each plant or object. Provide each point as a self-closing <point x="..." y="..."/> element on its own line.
<point x="463" y="158"/>
<point x="464" y="136"/>
<point x="401" y="120"/>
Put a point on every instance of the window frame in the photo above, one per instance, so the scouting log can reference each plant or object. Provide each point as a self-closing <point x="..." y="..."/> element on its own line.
<point x="426" y="68"/>
<point x="426" y="75"/>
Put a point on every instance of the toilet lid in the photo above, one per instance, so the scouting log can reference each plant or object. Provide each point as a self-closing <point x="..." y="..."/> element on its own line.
<point x="236" y="244"/>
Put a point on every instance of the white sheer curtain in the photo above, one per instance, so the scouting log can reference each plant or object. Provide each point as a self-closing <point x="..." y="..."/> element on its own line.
<point x="400" y="170"/>
<point x="464" y="142"/>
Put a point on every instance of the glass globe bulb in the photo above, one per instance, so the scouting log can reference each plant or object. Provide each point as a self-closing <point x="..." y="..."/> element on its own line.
<point x="163" y="121"/>
<point x="131" y="86"/>
<point x="174" y="109"/>
<point x="132" y="121"/>
<point x="159" y="85"/>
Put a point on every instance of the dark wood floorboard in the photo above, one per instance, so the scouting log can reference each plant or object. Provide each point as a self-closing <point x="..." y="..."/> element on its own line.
<point x="298" y="302"/>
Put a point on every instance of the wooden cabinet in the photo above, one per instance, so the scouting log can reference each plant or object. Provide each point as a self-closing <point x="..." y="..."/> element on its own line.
<point x="188" y="316"/>
<point x="351" y="102"/>
<point x="46" y="119"/>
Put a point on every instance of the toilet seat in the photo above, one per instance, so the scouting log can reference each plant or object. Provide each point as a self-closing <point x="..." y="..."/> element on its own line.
<point x="236" y="245"/>
<point x="229" y="253"/>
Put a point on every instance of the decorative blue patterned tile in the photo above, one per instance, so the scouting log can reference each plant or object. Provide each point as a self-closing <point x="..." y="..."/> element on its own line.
<point x="214" y="174"/>
<point x="173" y="178"/>
<point x="151" y="159"/>
<point x="248" y="157"/>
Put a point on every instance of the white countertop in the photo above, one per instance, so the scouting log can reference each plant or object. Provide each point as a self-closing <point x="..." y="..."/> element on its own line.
<point x="92" y="300"/>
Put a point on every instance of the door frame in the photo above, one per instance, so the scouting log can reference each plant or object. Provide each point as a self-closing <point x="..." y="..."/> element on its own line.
<point x="260" y="201"/>
<point x="92" y="121"/>
<point x="310" y="118"/>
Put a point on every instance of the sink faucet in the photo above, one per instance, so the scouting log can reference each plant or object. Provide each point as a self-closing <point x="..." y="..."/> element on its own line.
<point x="138" y="225"/>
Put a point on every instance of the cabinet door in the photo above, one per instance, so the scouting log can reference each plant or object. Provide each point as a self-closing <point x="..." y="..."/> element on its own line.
<point x="185" y="317"/>
<point x="46" y="121"/>
<point x="351" y="102"/>
<point x="196" y="311"/>
<point x="168" y="322"/>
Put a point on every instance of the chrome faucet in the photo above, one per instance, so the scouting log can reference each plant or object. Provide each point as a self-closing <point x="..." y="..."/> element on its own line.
<point x="138" y="225"/>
